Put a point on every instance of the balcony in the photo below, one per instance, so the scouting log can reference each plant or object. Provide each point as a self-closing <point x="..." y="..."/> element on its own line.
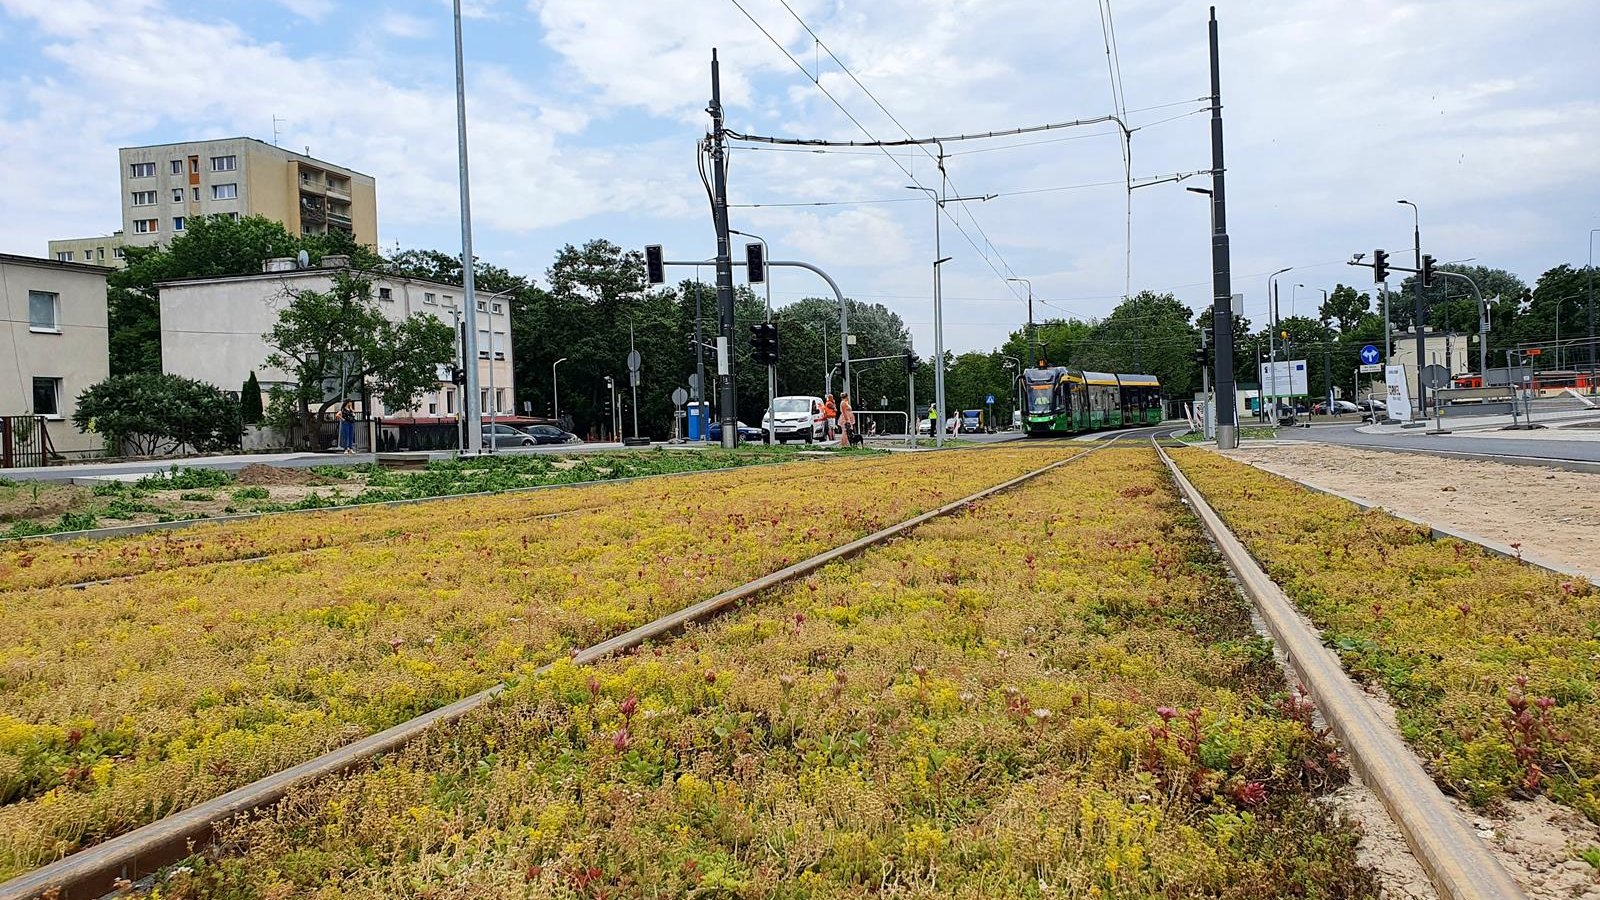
<point x="338" y="191"/>
<point x="311" y="184"/>
<point x="339" y="220"/>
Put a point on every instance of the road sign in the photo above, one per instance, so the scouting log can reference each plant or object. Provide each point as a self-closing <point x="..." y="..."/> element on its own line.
<point x="1369" y="355"/>
<point x="1285" y="378"/>
<point x="989" y="401"/>
<point x="633" y="360"/>
<point x="679" y="396"/>
<point x="1369" y="368"/>
<point x="1435" y="376"/>
<point x="694" y="382"/>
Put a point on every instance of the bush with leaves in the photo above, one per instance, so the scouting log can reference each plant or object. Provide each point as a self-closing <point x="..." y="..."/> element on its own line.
<point x="150" y="414"/>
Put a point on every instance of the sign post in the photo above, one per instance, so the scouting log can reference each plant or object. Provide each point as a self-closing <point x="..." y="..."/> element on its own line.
<point x="634" y="361"/>
<point x="1399" y="396"/>
<point x="679" y="398"/>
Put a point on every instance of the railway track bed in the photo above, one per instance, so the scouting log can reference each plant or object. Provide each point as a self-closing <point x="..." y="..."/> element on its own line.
<point x="1053" y="684"/>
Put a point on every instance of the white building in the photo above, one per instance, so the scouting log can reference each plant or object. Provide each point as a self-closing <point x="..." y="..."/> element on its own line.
<point x="211" y="329"/>
<point x="55" y="314"/>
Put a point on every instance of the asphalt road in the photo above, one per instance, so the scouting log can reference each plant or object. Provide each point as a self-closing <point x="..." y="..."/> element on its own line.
<point x="1447" y="444"/>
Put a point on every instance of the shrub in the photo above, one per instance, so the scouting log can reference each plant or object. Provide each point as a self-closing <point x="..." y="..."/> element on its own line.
<point x="251" y="493"/>
<point x="155" y="413"/>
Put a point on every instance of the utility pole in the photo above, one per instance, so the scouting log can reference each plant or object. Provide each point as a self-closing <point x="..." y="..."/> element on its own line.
<point x="1032" y="352"/>
<point x="470" y="407"/>
<point x="1590" y="270"/>
<point x="1221" y="272"/>
<point x="719" y="214"/>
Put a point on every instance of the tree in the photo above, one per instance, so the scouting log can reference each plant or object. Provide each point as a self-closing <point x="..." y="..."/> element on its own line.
<point x="1148" y="333"/>
<point x="1344" y="308"/>
<point x="152" y="413"/>
<point x="337" y="344"/>
<point x="250" y="412"/>
<point x="209" y="246"/>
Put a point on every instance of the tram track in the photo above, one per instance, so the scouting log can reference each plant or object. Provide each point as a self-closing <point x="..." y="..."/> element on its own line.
<point x="98" y="869"/>
<point x="1455" y="859"/>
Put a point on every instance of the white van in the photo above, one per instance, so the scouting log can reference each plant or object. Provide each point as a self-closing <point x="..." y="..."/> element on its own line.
<point x="798" y="418"/>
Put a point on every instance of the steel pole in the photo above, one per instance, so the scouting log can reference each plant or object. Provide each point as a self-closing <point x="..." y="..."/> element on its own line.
<point x="471" y="408"/>
<point x="1221" y="265"/>
<point x="1590" y="270"/>
<point x="719" y="177"/>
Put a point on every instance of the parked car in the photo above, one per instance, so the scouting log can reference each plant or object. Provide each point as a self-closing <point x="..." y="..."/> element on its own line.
<point x="799" y="418"/>
<point x="747" y="433"/>
<point x="506" y="436"/>
<point x="1340" y="407"/>
<point x="549" y="434"/>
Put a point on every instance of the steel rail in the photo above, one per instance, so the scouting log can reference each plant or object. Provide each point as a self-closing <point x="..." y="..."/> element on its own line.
<point x="95" y="870"/>
<point x="1457" y="862"/>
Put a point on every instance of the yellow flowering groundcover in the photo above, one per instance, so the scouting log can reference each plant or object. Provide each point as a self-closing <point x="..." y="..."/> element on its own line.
<point x="121" y="702"/>
<point x="1494" y="665"/>
<point x="1057" y="694"/>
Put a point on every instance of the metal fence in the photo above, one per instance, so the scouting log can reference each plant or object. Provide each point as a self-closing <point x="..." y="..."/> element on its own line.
<point x="24" y="442"/>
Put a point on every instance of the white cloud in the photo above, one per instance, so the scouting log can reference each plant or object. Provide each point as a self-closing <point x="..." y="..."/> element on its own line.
<point x="315" y="10"/>
<point x="403" y="25"/>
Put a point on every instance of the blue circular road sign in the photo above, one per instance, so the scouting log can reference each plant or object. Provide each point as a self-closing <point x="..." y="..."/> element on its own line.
<point x="1369" y="354"/>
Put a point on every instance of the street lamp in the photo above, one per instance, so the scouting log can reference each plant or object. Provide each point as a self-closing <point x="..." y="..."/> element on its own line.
<point x="939" y="200"/>
<point x="555" y="388"/>
<point x="1031" y="351"/>
<point x="772" y="370"/>
<point x="1272" y="337"/>
<point x="1014" y="366"/>
<point x="1416" y="290"/>
<point x="1590" y="270"/>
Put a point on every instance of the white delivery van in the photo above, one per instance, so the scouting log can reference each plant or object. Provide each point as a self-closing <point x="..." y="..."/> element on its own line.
<point x="797" y="418"/>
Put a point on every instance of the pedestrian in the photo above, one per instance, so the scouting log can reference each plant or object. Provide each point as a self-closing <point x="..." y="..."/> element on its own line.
<point x="933" y="420"/>
<point x="830" y="416"/>
<point x="847" y="420"/>
<point x="347" y="427"/>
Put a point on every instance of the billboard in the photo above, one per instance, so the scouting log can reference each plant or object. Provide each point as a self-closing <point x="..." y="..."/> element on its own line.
<point x="1284" y="378"/>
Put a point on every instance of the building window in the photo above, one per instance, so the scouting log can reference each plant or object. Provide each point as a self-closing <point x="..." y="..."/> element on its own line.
<point x="495" y="308"/>
<point x="43" y="310"/>
<point x="117" y="252"/>
<point x="194" y="165"/>
<point x="499" y="398"/>
<point x="433" y="407"/>
<point x="450" y="403"/>
<point x="177" y="195"/>
<point x="177" y="167"/>
<point x="499" y="345"/>
<point x="144" y="198"/>
<point x="224" y="163"/>
<point x="229" y="191"/>
<point x="177" y="223"/>
<point x="234" y="216"/>
<point x="483" y="399"/>
<point x="429" y="298"/>
<point x="385" y="294"/>
<point x="47" y="397"/>
<point x="142" y="170"/>
<point x="483" y="306"/>
<point x="63" y="256"/>
<point x="146" y="226"/>
<point x="197" y="195"/>
<point x="101" y="252"/>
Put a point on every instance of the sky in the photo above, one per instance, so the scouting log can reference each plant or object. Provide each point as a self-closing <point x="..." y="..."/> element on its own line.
<point x="584" y="119"/>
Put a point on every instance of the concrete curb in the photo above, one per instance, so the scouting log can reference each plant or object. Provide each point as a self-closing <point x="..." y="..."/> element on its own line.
<point x="1456" y="861"/>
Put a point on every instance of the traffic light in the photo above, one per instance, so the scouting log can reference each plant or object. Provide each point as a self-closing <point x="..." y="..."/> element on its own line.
<point x="654" y="269"/>
<point x="755" y="262"/>
<point x="1380" y="266"/>
<point x="458" y="375"/>
<point x="764" y="337"/>
<point x="1200" y="356"/>
<point x="911" y="363"/>
<point x="1427" y="270"/>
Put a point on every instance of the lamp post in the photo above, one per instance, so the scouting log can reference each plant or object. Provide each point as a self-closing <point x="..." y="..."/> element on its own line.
<point x="1272" y="337"/>
<point x="772" y="370"/>
<point x="939" y="200"/>
<point x="555" y="388"/>
<point x="1033" y="353"/>
<point x="1014" y="366"/>
<point x="1590" y="270"/>
<point x="1416" y="290"/>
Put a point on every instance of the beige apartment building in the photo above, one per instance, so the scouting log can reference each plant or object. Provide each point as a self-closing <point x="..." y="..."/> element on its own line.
<point x="165" y="185"/>
<point x="56" y="315"/>
<point x="211" y="329"/>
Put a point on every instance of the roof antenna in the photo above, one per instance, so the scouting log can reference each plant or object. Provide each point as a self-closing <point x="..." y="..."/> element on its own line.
<point x="275" y="121"/>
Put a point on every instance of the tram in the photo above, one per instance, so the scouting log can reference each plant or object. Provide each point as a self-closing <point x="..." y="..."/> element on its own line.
<point x="1070" y="401"/>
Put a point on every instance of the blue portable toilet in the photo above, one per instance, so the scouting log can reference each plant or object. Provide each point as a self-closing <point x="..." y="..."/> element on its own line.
<point x="698" y="414"/>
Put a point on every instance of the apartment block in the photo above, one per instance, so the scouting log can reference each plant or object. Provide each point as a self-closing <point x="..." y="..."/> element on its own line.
<point x="211" y="329"/>
<point x="56" y="315"/>
<point x="164" y="186"/>
<point x="105" y="250"/>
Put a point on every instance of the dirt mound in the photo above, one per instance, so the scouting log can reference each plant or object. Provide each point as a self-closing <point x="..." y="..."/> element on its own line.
<point x="258" y="474"/>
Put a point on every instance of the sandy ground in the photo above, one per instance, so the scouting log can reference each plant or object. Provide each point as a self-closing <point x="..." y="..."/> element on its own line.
<point x="1554" y="515"/>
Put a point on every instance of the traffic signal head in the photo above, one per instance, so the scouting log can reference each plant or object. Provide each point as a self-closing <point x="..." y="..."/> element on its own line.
<point x="654" y="269"/>
<point x="1427" y="270"/>
<point x="764" y="338"/>
<point x="1380" y="266"/>
<point x="755" y="261"/>
<point x="911" y="363"/>
<point x="1200" y="356"/>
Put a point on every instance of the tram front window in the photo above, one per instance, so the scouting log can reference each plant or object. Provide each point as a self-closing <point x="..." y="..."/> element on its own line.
<point x="1039" y="399"/>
